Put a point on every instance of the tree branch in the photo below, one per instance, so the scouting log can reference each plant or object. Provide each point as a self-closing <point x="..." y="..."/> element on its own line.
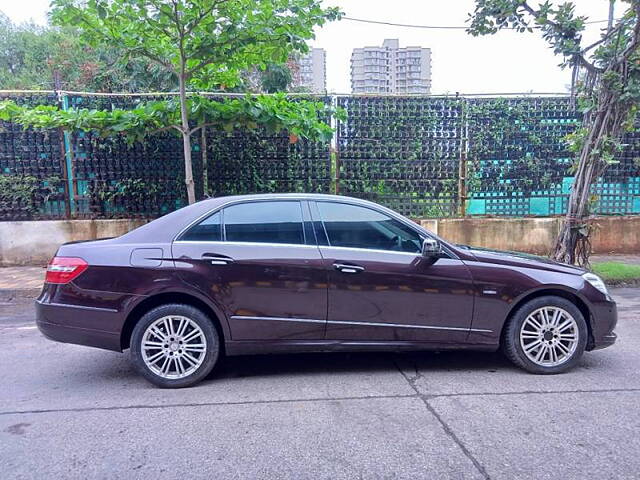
<point x="536" y="15"/>
<point x="201" y="17"/>
<point x="195" y="129"/>
<point x="155" y="58"/>
<point x="252" y="42"/>
<point x="586" y="64"/>
<point x="635" y="38"/>
<point x="604" y="38"/>
<point x="578" y="58"/>
<point x="164" y="129"/>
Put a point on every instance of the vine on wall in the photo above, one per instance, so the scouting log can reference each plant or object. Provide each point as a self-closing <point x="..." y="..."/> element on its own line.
<point x="405" y="153"/>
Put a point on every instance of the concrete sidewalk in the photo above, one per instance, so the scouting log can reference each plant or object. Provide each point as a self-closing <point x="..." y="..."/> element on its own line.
<point x="629" y="259"/>
<point x="25" y="281"/>
<point x="21" y="281"/>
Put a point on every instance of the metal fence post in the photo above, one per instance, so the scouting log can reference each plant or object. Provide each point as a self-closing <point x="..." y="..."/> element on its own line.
<point x="337" y="176"/>
<point x="462" y="165"/>
<point x="70" y="188"/>
<point x="334" y="150"/>
<point x="65" y="174"/>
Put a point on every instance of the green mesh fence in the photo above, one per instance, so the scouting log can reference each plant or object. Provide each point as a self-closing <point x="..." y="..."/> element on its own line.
<point x="518" y="162"/>
<point x="422" y="156"/>
<point x="402" y="152"/>
<point x="32" y="174"/>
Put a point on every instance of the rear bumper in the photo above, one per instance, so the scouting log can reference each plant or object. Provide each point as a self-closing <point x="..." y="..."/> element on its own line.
<point x="54" y="321"/>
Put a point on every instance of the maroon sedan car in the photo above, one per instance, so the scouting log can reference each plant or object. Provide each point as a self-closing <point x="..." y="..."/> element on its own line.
<point x="292" y="273"/>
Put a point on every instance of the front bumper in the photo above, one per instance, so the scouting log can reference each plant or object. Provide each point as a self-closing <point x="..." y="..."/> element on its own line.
<point x="604" y="317"/>
<point x="56" y="322"/>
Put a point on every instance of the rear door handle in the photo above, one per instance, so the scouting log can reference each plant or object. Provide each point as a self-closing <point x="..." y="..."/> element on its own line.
<point x="217" y="260"/>
<point x="348" y="268"/>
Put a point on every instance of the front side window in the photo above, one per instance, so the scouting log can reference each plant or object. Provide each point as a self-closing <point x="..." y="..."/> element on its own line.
<point x="361" y="227"/>
<point x="264" y="222"/>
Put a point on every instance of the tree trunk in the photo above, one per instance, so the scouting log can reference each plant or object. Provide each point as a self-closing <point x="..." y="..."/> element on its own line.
<point x="573" y="244"/>
<point x="615" y="104"/>
<point x="612" y="6"/>
<point x="186" y="141"/>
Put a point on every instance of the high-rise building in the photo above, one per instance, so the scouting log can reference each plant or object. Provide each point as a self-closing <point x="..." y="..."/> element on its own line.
<point x="310" y="71"/>
<point x="391" y="69"/>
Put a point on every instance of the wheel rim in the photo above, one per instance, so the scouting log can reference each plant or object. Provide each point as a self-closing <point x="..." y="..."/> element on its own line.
<point x="549" y="336"/>
<point x="173" y="347"/>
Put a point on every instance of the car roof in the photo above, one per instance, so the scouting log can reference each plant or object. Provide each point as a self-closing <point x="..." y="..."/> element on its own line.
<point x="165" y="228"/>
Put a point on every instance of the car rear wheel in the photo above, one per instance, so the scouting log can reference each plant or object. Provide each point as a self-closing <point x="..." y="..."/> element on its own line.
<point x="546" y="335"/>
<point x="174" y="346"/>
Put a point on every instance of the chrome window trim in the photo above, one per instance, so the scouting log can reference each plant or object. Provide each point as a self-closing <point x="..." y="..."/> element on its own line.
<point x="228" y="204"/>
<point x="320" y="198"/>
<point x="367" y="324"/>
<point x="222" y="242"/>
<point x="385" y="211"/>
<point x="304" y="234"/>
<point x="394" y="252"/>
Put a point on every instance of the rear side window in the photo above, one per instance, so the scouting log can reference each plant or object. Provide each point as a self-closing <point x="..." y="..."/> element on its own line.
<point x="264" y="222"/>
<point x="208" y="230"/>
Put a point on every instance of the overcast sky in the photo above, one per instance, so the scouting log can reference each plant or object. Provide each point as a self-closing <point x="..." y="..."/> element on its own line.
<point x="502" y="63"/>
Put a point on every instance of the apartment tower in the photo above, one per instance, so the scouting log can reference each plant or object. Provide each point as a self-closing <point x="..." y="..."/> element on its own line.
<point x="391" y="69"/>
<point x="310" y="71"/>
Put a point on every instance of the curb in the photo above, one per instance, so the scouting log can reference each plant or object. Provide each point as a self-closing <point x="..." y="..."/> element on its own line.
<point x="623" y="283"/>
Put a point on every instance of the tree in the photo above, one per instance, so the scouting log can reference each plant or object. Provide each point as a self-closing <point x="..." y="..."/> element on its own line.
<point x="43" y="57"/>
<point x="276" y="78"/>
<point x="210" y="41"/>
<point x="275" y="113"/>
<point x="606" y="78"/>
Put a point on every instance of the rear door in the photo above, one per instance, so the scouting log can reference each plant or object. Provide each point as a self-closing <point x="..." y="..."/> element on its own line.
<point x="380" y="286"/>
<point x="260" y="263"/>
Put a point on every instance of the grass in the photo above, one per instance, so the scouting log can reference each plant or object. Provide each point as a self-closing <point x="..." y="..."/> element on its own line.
<point x="617" y="272"/>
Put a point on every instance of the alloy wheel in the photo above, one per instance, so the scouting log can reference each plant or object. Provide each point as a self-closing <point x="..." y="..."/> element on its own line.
<point x="173" y="347"/>
<point x="549" y="336"/>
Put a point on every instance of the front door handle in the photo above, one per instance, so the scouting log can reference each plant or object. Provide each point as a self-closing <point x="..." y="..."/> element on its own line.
<point x="217" y="260"/>
<point x="348" y="268"/>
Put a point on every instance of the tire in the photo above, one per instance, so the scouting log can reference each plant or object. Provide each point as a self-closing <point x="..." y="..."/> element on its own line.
<point x="182" y="346"/>
<point x="563" y="334"/>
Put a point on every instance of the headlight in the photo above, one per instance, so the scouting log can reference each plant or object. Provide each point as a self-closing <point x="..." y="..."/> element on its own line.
<point x="596" y="281"/>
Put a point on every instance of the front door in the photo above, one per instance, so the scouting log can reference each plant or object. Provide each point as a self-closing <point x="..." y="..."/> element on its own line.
<point x="260" y="263"/>
<point x="380" y="286"/>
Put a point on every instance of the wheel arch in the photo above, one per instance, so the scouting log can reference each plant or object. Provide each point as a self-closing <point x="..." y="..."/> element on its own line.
<point x="164" y="298"/>
<point x="556" y="291"/>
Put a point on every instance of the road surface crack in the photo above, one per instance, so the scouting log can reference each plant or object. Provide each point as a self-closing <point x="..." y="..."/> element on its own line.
<point x="447" y="429"/>
<point x="205" y="404"/>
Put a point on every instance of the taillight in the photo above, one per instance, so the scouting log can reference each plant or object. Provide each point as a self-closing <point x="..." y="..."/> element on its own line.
<point x="64" y="269"/>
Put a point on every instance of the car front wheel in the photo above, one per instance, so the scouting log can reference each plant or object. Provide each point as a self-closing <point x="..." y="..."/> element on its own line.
<point x="546" y="335"/>
<point x="174" y="346"/>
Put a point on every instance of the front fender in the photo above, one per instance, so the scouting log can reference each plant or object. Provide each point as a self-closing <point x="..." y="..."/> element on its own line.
<point x="500" y="289"/>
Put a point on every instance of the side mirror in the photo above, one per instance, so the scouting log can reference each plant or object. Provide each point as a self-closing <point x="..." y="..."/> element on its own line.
<point x="431" y="248"/>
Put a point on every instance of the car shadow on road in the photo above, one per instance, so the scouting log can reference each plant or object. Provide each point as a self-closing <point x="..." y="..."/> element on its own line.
<point x="117" y="368"/>
<point x="357" y="362"/>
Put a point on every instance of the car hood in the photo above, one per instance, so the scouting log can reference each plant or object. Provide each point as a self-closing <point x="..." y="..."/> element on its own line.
<point x="519" y="259"/>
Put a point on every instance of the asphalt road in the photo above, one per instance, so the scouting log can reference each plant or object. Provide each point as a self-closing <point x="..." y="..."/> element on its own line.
<point x="73" y="412"/>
